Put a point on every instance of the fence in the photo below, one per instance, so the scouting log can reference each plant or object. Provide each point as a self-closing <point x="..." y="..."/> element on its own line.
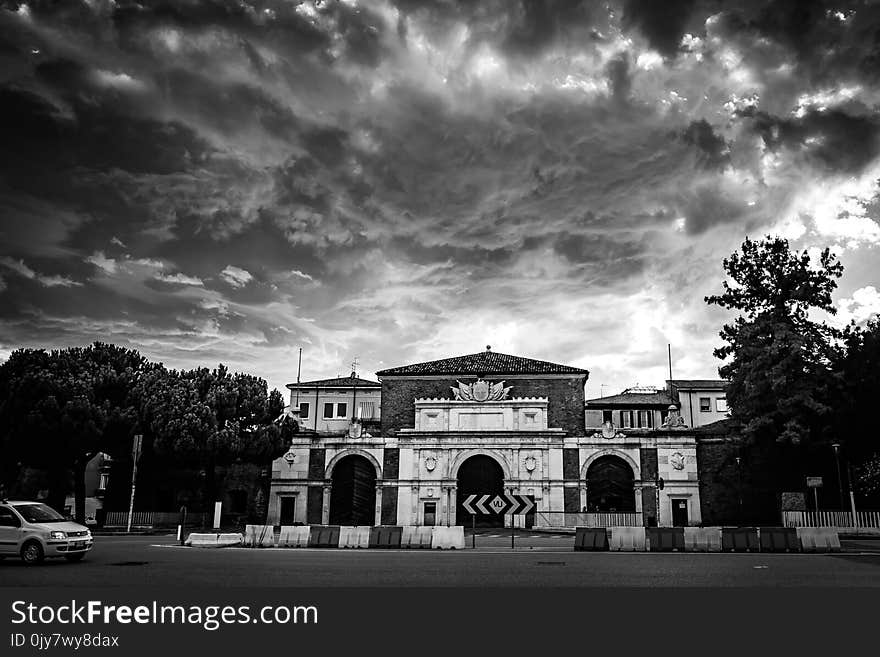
<point x="152" y="519"/>
<point x="867" y="521"/>
<point x="560" y="519"/>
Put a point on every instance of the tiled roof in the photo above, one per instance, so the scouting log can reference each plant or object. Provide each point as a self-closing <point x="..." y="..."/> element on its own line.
<point x="341" y="382"/>
<point x="484" y="362"/>
<point x="631" y="399"/>
<point x="699" y="383"/>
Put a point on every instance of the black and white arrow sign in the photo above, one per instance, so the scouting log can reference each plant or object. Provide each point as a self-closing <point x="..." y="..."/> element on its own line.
<point x="498" y="504"/>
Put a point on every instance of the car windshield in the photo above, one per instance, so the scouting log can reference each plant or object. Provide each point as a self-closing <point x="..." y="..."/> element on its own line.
<point x="38" y="513"/>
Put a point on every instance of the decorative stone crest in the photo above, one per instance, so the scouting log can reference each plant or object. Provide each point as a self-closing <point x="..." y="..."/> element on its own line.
<point x="608" y="432"/>
<point x="677" y="461"/>
<point x="531" y="463"/>
<point x="290" y="457"/>
<point x="430" y="463"/>
<point x="480" y="391"/>
<point x="673" y="420"/>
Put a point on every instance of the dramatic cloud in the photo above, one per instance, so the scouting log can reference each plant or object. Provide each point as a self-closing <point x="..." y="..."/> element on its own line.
<point x="403" y="180"/>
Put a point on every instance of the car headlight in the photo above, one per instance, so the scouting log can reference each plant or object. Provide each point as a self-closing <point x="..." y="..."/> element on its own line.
<point x="57" y="536"/>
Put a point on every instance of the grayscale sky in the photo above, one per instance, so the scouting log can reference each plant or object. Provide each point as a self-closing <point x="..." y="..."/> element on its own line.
<point x="400" y="181"/>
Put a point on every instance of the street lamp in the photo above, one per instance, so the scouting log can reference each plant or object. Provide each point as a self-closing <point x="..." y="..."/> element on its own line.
<point x="739" y="486"/>
<point x="836" y="447"/>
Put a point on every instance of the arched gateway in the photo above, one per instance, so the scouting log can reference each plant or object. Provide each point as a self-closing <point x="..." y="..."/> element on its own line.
<point x="353" y="492"/>
<point x="479" y="474"/>
<point x="610" y="486"/>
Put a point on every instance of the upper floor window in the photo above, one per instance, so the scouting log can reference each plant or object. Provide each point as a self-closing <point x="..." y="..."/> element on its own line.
<point x="626" y="419"/>
<point x="103" y="481"/>
<point x="645" y="419"/>
<point x="705" y="404"/>
<point x="606" y="417"/>
<point x="335" y="411"/>
<point x="304" y="409"/>
<point x="721" y="405"/>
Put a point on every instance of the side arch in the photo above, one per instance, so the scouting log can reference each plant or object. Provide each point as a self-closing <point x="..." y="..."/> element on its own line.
<point x="353" y="451"/>
<point x="611" y="452"/>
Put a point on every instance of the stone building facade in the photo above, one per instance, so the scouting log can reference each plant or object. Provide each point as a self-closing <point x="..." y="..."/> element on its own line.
<point x="488" y="423"/>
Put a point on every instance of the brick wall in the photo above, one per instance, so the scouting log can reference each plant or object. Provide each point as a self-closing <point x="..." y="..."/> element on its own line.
<point x="648" y="458"/>
<point x="572" y="499"/>
<point x="565" y="407"/>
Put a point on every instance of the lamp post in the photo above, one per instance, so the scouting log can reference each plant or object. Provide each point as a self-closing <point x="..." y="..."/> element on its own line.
<point x="739" y="480"/>
<point x="836" y="447"/>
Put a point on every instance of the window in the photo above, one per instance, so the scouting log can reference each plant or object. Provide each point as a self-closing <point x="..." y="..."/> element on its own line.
<point x="645" y="419"/>
<point x="8" y="518"/>
<point x="367" y="410"/>
<point x="530" y="417"/>
<point x="335" y="411"/>
<point x="304" y="409"/>
<point x="705" y="404"/>
<point x="626" y="419"/>
<point x="606" y="417"/>
<point x="721" y="405"/>
<point x="102" y="483"/>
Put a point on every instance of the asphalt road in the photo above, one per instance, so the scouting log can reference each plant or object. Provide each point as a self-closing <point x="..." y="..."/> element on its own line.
<point x="538" y="561"/>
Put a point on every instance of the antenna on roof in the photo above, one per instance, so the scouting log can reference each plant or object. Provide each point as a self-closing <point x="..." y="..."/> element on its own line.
<point x="669" y="348"/>
<point x="354" y="365"/>
<point x="298" y="371"/>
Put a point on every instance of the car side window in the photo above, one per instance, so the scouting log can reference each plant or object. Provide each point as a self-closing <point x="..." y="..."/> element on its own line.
<point x="8" y="518"/>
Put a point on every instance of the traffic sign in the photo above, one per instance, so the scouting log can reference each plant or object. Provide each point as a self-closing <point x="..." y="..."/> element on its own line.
<point x="499" y="504"/>
<point x="814" y="482"/>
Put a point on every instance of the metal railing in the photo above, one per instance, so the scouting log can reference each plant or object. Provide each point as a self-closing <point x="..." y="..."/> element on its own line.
<point x="867" y="520"/>
<point x="152" y="519"/>
<point x="550" y="519"/>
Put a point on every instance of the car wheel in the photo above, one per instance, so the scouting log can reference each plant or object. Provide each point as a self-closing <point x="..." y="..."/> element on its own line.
<point x="32" y="553"/>
<point x="74" y="557"/>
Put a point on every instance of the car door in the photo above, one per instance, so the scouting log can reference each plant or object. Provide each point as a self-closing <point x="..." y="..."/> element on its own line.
<point x="10" y="531"/>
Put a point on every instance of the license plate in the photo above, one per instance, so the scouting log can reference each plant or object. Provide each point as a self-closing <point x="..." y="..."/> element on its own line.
<point x="78" y="544"/>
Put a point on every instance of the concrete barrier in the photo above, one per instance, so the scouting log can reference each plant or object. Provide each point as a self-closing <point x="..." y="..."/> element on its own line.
<point x="294" y="537"/>
<point x="354" y="537"/>
<point x="386" y="536"/>
<point x="213" y="540"/>
<point x="779" y="539"/>
<point x="627" y="539"/>
<point x="324" y="537"/>
<point x="416" y="537"/>
<point x="259" y="536"/>
<point x="664" y="539"/>
<point x="590" y="539"/>
<point x="818" y="539"/>
<point x="739" y="539"/>
<point x="702" y="539"/>
<point x="447" y="538"/>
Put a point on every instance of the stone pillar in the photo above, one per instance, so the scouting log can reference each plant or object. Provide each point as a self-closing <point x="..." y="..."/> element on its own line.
<point x="377" y="514"/>
<point x="325" y="506"/>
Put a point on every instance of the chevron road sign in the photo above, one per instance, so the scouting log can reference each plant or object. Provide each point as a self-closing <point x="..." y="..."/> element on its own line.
<point x="498" y="504"/>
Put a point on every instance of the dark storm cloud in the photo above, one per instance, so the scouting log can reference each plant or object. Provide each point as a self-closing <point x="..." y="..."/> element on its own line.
<point x="232" y="180"/>
<point x="834" y="139"/>
<point x="662" y="23"/>
<point x="713" y="149"/>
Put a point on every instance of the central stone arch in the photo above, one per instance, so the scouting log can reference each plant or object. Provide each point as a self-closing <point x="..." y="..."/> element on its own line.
<point x="479" y="473"/>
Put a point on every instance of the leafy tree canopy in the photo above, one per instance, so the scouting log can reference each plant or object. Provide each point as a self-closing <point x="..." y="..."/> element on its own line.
<point x="779" y="359"/>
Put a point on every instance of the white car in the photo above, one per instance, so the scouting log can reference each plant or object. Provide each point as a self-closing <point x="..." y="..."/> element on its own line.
<point x="34" y="531"/>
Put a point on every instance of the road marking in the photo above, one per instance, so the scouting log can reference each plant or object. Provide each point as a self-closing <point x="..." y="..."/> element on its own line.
<point x="757" y="567"/>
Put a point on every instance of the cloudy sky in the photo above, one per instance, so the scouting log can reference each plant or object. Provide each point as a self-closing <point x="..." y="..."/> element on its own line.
<point x="398" y="180"/>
